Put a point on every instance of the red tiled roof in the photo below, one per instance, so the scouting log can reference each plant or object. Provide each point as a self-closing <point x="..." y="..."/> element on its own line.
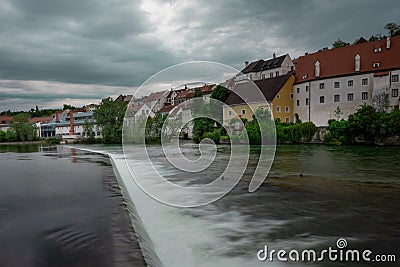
<point x="341" y="61"/>
<point x="41" y="119"/>
<point x="166" y="109"/>
<point x="5" y="119"/>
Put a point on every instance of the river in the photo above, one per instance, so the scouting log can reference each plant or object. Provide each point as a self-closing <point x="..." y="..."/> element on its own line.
<point x="344" y="192"/>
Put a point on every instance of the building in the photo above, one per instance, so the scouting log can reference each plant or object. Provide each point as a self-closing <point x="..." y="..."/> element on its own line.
<point x="272" y="93"/>
<point x="5" y="122"/>
<point x="69" y="126"/>
<point x="263" y="69"/>
<point x="334" y="83"/>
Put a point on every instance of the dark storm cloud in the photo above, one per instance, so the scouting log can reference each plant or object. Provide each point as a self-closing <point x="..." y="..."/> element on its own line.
<point x="123" y="42"/>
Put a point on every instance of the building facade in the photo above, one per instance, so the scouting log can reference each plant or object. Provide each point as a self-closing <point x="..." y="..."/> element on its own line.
<point x="264" y="69"/>
<point x="334" y="83"/>
<point x="269" y="94"/>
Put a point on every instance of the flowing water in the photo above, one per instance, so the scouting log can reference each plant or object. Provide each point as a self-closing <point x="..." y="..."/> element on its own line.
<point x="345" y="192"/>
<point x="62" y="207"/>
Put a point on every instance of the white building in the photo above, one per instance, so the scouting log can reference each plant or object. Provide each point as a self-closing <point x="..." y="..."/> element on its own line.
<point x="334" y="83"/>
<point x="263" y="69"/>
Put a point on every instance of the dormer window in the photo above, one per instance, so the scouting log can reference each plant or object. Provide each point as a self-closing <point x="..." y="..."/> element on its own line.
<point x="376" y="65"/>
<point x="357" y="62"/>
<point x="317" y="69"/>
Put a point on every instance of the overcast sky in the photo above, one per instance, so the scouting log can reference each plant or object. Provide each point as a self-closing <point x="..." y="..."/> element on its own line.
<point x="79" y="51"/>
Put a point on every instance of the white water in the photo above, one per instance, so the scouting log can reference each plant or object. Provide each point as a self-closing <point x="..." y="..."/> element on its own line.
<point x="178" y="238"/>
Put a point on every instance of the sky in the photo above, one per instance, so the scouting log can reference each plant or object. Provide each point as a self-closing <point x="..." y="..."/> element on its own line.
<point x="80" y="51"/>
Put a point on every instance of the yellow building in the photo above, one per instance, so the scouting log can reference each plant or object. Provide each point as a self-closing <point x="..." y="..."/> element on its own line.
<point x="248" y="96"/>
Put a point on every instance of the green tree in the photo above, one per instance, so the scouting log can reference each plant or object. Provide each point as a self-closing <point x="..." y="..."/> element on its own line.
<point x="70" y="107"/>
<point x="393" y="29"/>
<point x="339" y="43"/>
<point x="109" y="117"/>
<point x="22" y="128"/>
<point x="221" y="93"/>
<point x="2" y="136"/>
<point x="89" y="132"/>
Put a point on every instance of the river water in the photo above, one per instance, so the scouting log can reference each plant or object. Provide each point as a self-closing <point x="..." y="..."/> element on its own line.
<point x="345" y="192"/>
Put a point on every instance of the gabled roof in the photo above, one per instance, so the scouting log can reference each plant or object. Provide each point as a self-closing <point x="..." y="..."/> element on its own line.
<point x="183" y="94"/>
<point x="5" y="119"/>
<point x="135" y="108"/>
<point x="41" y="119"/>
<point x="341" y="61"/>
<point x="269" y="88"/>
<point x="261" y="64"/>
<point x="154" y="96"/>
<point x="166" y="109"/>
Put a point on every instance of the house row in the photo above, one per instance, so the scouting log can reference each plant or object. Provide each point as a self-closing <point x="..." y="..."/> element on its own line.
<point x="317" y="87"/>
<point x="69" y="126"/>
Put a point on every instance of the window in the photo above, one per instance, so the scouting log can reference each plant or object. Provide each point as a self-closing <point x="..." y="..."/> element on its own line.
<point x="278" y="96"/>
<point x="321" y="86"/>
<point x="251" y="77"/>
<point x="336" y="98"/>
<point x="376" y="65"/>
<point x="287" y="120"/>
<point x="336" y="85"/>
<point x="298" y="90"/>
<point x="307" y="87"/>
<point x="395" y="78"/>
<point x="307" y="100"/>
<point x="322" y="99"/>
<point x="230" y="112"/>
<point x="271" y="75"/>
<point x="395" y="92"/>
<point x="277" y="73"/>
<point x="298" y="102"/>
<point x="350" y="97"/>
<point x="287" y="109"/>
<point x="364" y="81"/>
<point x="364" y="95"/>
<point x="291" y="96"/>
<point x="350" y="83"/>
<point x="243" y="112"/>
<point x="377" y="50"/>
<point x="278" y="109"/>
<point x="263" y="76"/>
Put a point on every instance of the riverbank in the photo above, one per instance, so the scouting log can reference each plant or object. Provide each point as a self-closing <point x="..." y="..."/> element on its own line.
<point x="40" y="142"/>
<point x="63" y="207"/>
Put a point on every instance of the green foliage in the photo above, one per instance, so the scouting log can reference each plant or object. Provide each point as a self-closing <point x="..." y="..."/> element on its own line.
<point x="393" y="29"/>
<point x="154" y="128"/>
<point x="214" y="135"/>
<point x="22" y="129"/>
<point x="201" y="127"/>
<point x="339" y="43"/>
<point x="220" y="93"/>
<point x="70" y="107"/>
<point x="89" y="132"/>
<point x="2" y="136"/>
<point x="366" y="124"/>
<point x="11" y="135"/>
<point x="110" y="116"/>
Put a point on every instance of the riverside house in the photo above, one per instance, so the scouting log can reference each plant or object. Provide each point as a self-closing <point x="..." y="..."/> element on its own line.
<point x="275" y="93"/>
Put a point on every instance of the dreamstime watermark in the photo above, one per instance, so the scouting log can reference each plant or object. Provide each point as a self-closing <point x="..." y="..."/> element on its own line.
<point x="337" y="254"/>
<point x="184" y="108"/>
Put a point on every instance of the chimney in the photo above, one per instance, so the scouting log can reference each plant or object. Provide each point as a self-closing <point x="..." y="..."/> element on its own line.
<point x="57" y="117"/>
<point x="317" y="69"/>
<point x="388" y="42"/>
<point x="71" y="123"/>
<point x="246" y="63"/>
<point x="274" y="55"/>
